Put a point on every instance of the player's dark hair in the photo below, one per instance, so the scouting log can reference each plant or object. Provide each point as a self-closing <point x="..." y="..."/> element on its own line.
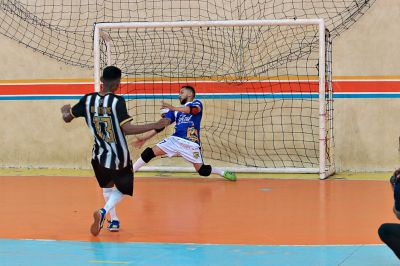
<point x="188" y="87"/>
<point x="111" y="73"/>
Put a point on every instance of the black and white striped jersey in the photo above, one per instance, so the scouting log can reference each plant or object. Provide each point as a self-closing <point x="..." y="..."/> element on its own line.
<point x="105" y="114"/>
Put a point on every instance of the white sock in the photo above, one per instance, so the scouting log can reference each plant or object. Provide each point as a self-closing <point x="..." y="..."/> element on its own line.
<point x="139" y="163"/>
<point x="217" y="171"/>
<point x="107" y="193"/>
<point x="115" y="197"/>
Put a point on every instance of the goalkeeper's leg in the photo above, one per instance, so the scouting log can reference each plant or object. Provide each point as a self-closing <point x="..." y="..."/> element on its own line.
<point x="146" y="156"/>
<point x="206" y="170"/>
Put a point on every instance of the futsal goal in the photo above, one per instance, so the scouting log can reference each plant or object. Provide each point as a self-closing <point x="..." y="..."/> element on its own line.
<point x="266" y="86"/>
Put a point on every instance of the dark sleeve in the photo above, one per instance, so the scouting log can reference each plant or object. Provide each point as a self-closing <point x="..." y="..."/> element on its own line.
<point x="397" y="196"/>
<point x="122" y="112"/>
<point x="78" y="110"/>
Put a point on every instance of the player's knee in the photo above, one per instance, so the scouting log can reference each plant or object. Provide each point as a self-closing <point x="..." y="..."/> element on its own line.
<point x="147" y="155"/>
<point x="205" y="170"/>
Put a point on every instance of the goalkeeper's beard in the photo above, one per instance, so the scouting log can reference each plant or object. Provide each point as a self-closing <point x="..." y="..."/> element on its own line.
<point x="183" y="101"/>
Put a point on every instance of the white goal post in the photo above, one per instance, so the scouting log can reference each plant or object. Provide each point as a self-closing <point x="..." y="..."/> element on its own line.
<point x="325" y="136"/>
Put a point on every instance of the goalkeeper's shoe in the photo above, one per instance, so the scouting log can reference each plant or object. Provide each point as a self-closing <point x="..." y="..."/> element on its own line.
<point x="113" y="226"/>
<point x="98" y="220"/>
<point x="230" y="176"/>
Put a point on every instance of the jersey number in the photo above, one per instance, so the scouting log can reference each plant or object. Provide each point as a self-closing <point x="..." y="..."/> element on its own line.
<point x="104" y="128"/>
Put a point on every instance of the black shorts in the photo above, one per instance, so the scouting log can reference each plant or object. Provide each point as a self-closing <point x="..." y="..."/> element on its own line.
<point x="122" y="178"/>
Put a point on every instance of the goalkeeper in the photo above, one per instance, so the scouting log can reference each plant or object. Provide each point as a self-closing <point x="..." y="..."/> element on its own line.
<point x="390" y="232"/>
<point x="185" y="142"/>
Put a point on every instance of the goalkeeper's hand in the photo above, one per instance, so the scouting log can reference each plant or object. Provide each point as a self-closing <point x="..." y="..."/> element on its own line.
<point x="395" y="178"/>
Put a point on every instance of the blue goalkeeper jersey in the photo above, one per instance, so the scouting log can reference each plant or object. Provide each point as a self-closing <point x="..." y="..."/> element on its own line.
<point x="187" y="126"/>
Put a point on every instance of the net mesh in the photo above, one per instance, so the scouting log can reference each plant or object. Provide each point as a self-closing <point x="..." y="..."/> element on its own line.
<point x="63" y="29"/>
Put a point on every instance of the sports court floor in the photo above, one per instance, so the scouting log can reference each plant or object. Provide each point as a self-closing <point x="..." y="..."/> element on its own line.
<point x="197" y="221"/>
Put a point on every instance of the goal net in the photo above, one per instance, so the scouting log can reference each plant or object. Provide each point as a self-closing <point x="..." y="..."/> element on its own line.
<point x="265" y="86"/>
<point x="62" y="29"/>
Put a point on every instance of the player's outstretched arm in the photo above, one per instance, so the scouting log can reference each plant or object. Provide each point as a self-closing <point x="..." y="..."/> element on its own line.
<point x="138" y="142"/>
<point x="130" y="129"/>
<point x="66" y="113"/>
<point x="185" y="109"/>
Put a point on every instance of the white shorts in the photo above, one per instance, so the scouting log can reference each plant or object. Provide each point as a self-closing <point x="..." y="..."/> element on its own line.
<point x="174" y="146"/>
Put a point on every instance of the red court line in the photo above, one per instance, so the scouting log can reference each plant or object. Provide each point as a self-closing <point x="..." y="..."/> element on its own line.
<point x="366" y="86"/>
<point x="203" y="87"/>
<point x="45" y="89"/>
<point x="163" y="88"/>
<point x="249" y="211"/>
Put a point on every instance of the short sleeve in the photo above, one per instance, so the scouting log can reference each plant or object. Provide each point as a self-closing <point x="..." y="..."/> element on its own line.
<point x="78" y="110"/>
<point x="122" y="112"/>
<point x="171" y="116"/>
<point x="196" y="103"/>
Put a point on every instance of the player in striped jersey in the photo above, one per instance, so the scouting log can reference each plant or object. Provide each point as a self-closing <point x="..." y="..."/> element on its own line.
<point x="185" y="142"/>
<point x="107" y="117"/>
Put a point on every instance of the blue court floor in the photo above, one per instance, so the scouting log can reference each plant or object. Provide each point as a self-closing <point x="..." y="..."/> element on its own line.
<point x="76" y="253"/>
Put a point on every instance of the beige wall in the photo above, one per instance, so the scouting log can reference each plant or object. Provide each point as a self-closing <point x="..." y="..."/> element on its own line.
<point x="371" y="46"/>
<point x="33" y="135"/>
<point x="367" y="131"/>
<point x="19" y="62"/>
<point x="367" y="134"/>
